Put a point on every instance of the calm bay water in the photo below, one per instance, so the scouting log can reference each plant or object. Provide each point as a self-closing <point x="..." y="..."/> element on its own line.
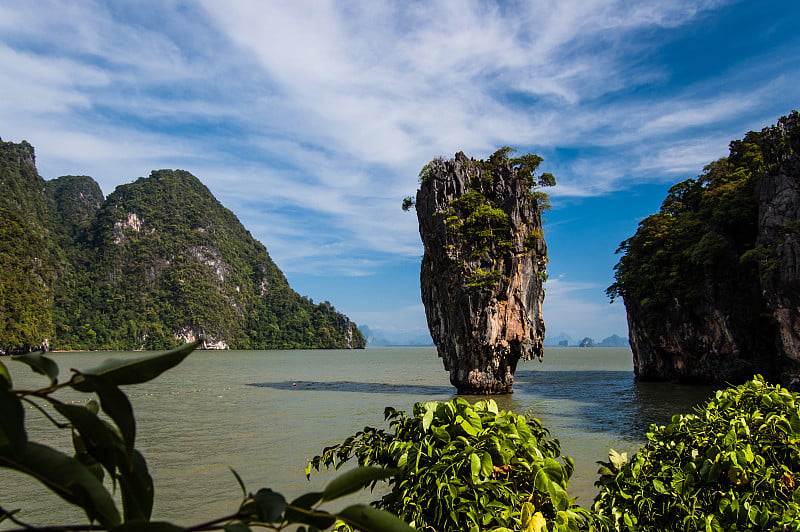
<point x="265" y="413"/>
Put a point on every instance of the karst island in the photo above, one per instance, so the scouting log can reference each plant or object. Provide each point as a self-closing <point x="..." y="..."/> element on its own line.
<point x="484" y="265"/>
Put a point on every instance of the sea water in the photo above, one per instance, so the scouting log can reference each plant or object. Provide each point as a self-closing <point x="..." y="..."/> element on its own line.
<point x="264" y="414"/>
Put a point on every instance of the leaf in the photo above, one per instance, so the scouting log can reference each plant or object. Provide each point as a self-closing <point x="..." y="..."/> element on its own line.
<point x="307" y="500"/>
<point x="794" y="422"/>
<point x="12" y="424"/>
<point x="269" y="505"/>
<point x="40" y="364"/>
<point x="473" y="418"/>
<point x="486" y="465"/>
<point x="94" y="467"/>
<point x="96" y="436"/>
<point x="441" y="433"/>
<point x="554" y="470"/>
<point x="659" y="487"/>
<point x="467" y="427"/>
<point x="558" y="496"/>
<point x="136" y="485"/>
<point x="427" y="419"/>
<point x="5" y="377"/>
<point x="537" y="523"/>
<point x="617" y="459"/>
<point x="354" y="480"/>
<point x="241" y="482"/>
<point x="474" y="466"/>
<point x="369" y="519"/>
<point x="403" y="460"/>
<point x="136" y="370"/>
<point x="526" y="513"/>
<point x="69" y="479"/>
<point x="752" y="515"/>
<point x="116" y="404"/>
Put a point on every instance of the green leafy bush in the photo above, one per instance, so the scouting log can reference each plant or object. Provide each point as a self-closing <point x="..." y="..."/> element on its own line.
<point x="105" y="450"/>
<point x="734" y="464"/>
<point x="466" y="467"/>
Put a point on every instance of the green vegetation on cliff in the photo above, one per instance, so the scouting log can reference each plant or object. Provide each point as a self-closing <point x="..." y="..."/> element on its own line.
<point x="478" y="226"/>
<point x="158" y="262"/>
<point x="705" y="227"/>
<point x="710" y="282"/>
<point x="29" y="256"/>
<point x="700" y="249"/>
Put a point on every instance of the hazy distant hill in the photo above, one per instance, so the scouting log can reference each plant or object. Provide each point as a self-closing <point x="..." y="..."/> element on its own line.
<point x="379" y="338"/>
<point x="564" y="340"/>
<point x="158" y="262"/>
<point x="614" y="341"/>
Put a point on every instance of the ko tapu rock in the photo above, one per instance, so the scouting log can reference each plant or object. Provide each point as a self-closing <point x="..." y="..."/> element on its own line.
<point x="484" y="265"/>
<point x="711" y="283"/>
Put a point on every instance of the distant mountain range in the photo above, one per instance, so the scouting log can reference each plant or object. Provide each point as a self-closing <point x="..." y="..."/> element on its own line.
<point x="564" y="340"/>
<point x="158" y="262"/>
<point x="379" y="338"/>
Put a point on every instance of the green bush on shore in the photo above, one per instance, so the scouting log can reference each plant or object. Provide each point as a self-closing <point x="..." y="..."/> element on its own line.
<point x="733" y="464"/>
<point x="466" y="467"/>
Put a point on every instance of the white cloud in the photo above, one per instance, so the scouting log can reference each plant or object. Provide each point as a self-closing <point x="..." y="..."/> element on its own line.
<point x="323" y="112"/>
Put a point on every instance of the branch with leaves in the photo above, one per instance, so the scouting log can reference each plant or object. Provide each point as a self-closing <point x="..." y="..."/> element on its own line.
<point x="106" y="446"/>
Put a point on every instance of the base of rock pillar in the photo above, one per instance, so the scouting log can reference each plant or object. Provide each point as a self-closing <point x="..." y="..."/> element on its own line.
<point x="506" y="390"/>
<point x="492" y="387"/>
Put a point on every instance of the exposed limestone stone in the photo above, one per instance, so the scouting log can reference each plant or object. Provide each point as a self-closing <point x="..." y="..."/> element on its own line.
<point x="482" y="271"/>
<point x="192" y="334"/>
<point x="746" y="319"/>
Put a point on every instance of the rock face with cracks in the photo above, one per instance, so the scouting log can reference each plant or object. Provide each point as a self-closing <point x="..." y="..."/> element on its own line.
<point x="712" y="282"/>
<point x="484" y="266"/>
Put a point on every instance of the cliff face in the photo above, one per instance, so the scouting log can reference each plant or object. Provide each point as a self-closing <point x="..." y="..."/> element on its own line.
<point x="778" y="195"/>
<point x="160" y="261"/>
<point x="711" y="282"/>
<point x="29" y="257"/>
<point x="483" y="268"/>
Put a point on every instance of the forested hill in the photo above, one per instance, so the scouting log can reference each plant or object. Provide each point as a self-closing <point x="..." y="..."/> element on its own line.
<point x="158" y="262"/>
<point x="711" y="282"/>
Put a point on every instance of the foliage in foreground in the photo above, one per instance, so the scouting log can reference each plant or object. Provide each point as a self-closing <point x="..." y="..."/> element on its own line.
<point x="732" y="465"/>
<point x="107" y="447"/>
<point x="466" y="467"/>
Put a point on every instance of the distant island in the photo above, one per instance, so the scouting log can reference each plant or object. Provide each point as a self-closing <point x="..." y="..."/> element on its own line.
<point x="379" y="338"/>
<point x="158" y="262"/>
<point x="564" y="340"/>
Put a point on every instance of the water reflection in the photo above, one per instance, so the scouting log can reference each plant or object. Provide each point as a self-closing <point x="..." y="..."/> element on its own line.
<point x="590" y="401"/>
<point x="359" y="387"/>
<point x="611" y="401"/>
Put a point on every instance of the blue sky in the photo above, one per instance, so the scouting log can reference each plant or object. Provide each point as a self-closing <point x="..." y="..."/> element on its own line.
<point x="311" y="120"/>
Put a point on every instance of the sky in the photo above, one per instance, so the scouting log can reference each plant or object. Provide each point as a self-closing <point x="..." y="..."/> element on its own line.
<point x="311" y="120"/>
